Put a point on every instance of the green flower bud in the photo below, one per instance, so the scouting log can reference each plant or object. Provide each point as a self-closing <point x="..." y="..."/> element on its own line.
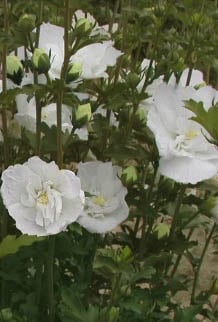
<point x="133" y="80"/>
<point x="210" y="206"/>
<point x="74" y="72"/>
<point x="6" y="314"/>
<point x="113" y="314"/>
<point x="125" y="254"/>
<point x="161" y="230"/>
<point x="125" y="290"/>
<point x="214" y="288"/>
<point x="83" y="113"/>
<point x="41" y="61"/>
<point x="14" y="69"/>
<point x="141" y="115"/>
<point x="126" y="61"/>
<point x="129" y="175"/>
<point x="27" y="22"/>
<point x="83" y="26"/>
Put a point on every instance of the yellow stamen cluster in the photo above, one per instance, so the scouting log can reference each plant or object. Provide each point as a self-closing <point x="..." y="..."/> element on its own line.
<point x="99" y="200"/>
<point x="43" y="198"/>
<point x="191" y="134"/>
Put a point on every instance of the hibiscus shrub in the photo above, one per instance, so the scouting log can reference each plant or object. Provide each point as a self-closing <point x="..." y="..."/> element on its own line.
<point x="108" y="141"/>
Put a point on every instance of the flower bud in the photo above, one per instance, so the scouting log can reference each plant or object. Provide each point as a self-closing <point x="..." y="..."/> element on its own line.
<point x="141" y="115"/>
<point x="74" y="72"/>
<point x="129" y="175"/>
<point x="125" y="254"/>
<point x="214" y="288"/>
<point x="83" y="113"/>
<point x="27" y="22"/>
<point x="83" y="26"/>
<point x="133" y="80"/>
<point x="162" y="230"/>
<point x="6" y="314"/>
<point x="113" y="314"/>
<point x="41" y="61"/>
<point x="14" y="69"/>
<point x="125" y="290"/>
<point x="210" y="206"/>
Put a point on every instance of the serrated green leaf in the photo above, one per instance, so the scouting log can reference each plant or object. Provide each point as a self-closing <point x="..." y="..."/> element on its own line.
<point x="11" y="244"/>
<point x="208" y="119"/>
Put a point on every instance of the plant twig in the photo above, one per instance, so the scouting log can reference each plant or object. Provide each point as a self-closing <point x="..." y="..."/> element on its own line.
<point x="196" y="277"/>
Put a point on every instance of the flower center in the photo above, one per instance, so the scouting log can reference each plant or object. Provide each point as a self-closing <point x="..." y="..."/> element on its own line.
<point x="183" y="143"/>
<point x="48" y="205"/>
<point x="43" y="198"/>
<point x="191" y="134"/>
<point x="99" y="200"/>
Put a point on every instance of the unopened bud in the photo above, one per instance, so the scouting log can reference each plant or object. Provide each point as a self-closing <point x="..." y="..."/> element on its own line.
<point x="113" y="314"/>
<point x="27" y="22"/>
<point x="133" y="80"/>
<point x="83" y="113"/>
<point x="74" y="72"/>
<point x="141" y="115"/>
<point x="214" y="288"/>
<point x="210" y="206"/>
<point x="6" y="314"/>
<point x="162" y="230"/>
<point x="41" y="61"/>
<point x="83" y="26"/>
<point x="14" y="69"/>
<point x="129" y="175"/>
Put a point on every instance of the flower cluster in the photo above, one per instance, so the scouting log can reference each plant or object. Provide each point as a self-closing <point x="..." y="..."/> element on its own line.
<point x="44" y="200"/>
<point x="88" y="62"/>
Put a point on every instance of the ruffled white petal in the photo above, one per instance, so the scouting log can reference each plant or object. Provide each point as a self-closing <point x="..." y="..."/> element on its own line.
<point x="105" y="205"/>
<point x="187" y="170"/>
<point x="42" y="199"/>
<point x="185" y="154"/>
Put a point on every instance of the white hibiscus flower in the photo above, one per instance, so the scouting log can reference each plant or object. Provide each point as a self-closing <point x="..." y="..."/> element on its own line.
<point x="185" y="154"/>
<point x="42" y="199"/>
<point x="26" y="115"/>
<point x="105" y="205"/>
<point x="95" y="59"/>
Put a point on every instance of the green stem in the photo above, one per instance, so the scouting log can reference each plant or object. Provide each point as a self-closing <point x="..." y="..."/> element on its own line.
<point x="196" y="277"/>
<point x="38" y="103"/>
<point x="66" y="39"/>
<point x="50" y="278"/>
<point x="148" y="73"/>
<point x="61" y="91"/>
<point x="144" y="234"/>
<point x="38" y="118"/>
<point x="41" y="5"/>
<point x="59" y="130"/>
<point x="111" y="21"/>
<point x="114" y="298"/>
<point x="189" y="76"/>
<point x="176" y="212"/>
<point x="39" y="272"/>
<point x="190" y="219"/>
<point x="180" y="255"/>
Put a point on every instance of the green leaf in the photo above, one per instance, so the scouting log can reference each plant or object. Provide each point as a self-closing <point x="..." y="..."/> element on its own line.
<point x="105" y="266"/>
<point x="11" y="244"/>
<point x="208" y="119"/>
<point x="187" y="314"/>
